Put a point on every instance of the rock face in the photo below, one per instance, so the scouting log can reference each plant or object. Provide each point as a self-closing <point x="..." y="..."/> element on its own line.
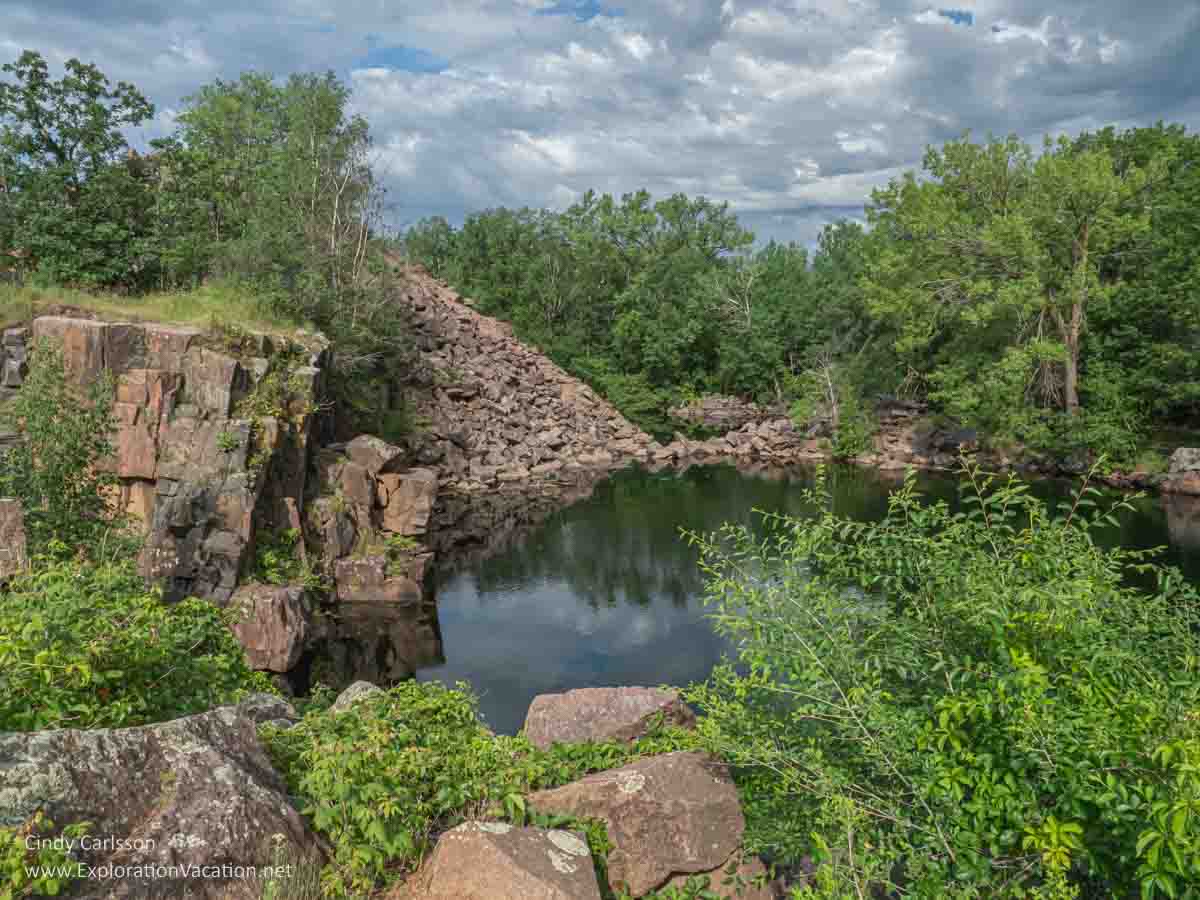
<point x="204" y="476"/>
<point x="602" y="714"/>
<point x="13" y="557"/>
<point x="495" y="861"/>
<point x="272" y="625"/>
<point x="497" y="411"/>
<point x="1183" y="476"/>
<point x="196" y="791"/>
<point x="667" y="815"/>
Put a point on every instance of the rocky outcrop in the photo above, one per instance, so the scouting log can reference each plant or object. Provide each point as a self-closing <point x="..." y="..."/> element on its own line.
<point x="723" y="414"/>
<point x="602" y="714"/>
<point x="669" y="815"/>
<point x="272" y="624"/>
<point x="194" y="792"/>
<point x="13" y="555"/>
<point x="495" y="861"/>
<point x="211" y="435"/>
<point x="494" y="411"/>
<point x="1183" y="475"/>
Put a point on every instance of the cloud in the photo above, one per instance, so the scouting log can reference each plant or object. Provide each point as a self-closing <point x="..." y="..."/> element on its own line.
<point x="790" y="110"/>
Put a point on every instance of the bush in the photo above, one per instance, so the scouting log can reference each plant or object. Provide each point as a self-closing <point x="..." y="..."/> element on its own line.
<point x="971" y="704"/>
<point x="384" y="778"/>
<point x="55" y="470"/>
<point x="89" y="646"/>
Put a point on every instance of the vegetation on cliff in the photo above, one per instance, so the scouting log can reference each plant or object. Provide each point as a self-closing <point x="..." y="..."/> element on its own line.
<point x="264" y="189"/>
<point x="84" y="643"/>
<point x="1046" y="299"/>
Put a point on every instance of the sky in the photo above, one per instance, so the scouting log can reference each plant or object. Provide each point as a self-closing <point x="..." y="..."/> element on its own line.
<point x="791" y="111"/>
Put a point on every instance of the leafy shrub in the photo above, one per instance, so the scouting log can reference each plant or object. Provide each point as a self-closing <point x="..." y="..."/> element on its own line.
<point x="970" y="704"/>
<point x="382" y="779"/>
<point x="56" y="470"/>
<point x="277" y="560"/>
<point x="18" y="862"/>
<point x="89" y="646"/>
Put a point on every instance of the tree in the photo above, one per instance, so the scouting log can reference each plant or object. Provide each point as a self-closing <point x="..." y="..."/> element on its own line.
<point x="987" y="270"/>
<point x="67" y="191"/>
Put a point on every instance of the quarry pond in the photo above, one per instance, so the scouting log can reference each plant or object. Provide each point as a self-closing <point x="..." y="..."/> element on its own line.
<point x="606" y="591"/>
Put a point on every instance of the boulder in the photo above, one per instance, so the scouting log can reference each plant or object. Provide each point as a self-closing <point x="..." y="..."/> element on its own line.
<point x="272" y="625"/>
<point x="668" y="815"/>
<point x="374" y="454"/>
<point x="495" y="861"/>
<point x="602" y="714"/>
<point x="197" y="791"/>
<point x="13" y="555"/>
<point x="268" y="708"/>
<point x="407" y="500"/>
<point x="353" y="694"/>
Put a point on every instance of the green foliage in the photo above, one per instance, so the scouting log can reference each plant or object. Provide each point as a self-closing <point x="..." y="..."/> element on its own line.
<point x="87" y="645"/>
<point x="278" y="559"/>
<point x="57" y="471"/>
<point x="977" y="699"/>
<point x="73" y="201"/>
<point x="382" y="779"/>
<point x="17" y="861"/>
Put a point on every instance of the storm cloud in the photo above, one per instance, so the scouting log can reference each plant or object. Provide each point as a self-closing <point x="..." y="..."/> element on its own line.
<point x="791" y="111"/>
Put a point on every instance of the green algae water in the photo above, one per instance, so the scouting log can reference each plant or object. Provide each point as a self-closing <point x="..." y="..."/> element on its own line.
<point x="607" y="591"/>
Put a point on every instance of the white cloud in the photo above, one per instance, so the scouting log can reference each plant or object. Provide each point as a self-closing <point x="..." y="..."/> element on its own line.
<point x="790" y="109"/>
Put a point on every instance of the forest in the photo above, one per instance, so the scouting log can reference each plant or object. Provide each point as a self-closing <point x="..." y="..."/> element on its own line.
<point x="1049" y="298"/>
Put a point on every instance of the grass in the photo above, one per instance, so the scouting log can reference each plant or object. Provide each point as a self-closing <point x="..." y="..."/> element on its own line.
<point x="217" y="302"/>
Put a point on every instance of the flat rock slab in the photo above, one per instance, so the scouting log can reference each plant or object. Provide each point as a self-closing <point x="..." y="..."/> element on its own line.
<point x="601" y="714"/>
<point x="496" y="861"/>
<point x="193" y="792"/>
<point x="666" y="815"/>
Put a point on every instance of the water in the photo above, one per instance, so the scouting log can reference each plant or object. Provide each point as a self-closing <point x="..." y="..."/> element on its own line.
<point x="607" y="592"/>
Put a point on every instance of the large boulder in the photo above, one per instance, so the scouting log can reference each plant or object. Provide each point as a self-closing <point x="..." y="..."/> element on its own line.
<point x="667" y="815"/>
<point x="602" y="714"/>
<point x="495" y="861"/>
<point x="272" y="624"/>
<point x="374" y="454"/>
<point x="194" y="792"/>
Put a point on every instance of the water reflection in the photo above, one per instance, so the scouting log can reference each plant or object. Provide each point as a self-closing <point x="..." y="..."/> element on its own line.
<point x="606" y="592"/>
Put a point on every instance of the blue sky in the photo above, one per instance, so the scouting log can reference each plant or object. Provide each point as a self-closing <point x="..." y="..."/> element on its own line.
<point x="790" y="110"/>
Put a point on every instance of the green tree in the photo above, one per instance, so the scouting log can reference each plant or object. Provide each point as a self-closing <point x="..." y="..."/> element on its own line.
<point x="992" y="263"/>
<point x="68" y="194"/>
<point x="57" y="468"/>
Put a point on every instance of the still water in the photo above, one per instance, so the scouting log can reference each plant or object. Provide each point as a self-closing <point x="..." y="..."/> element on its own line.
<point x="607" y="592"/>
